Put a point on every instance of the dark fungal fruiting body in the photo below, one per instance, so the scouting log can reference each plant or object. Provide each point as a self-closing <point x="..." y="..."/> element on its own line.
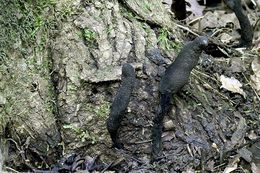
<point x="177" y="74"/>
<point x="120" y="103"/>
<point x="174" y="78"/>
<point x="178" y="7"/>
<point x="246" y="28"/>
<point x="158" y="125"/>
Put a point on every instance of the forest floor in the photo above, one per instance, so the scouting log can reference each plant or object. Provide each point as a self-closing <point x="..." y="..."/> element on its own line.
<point x="214" y="123"/>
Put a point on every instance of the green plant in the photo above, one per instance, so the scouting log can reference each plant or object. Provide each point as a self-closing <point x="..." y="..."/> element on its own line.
<point x="164" y="41"/>
<point x="81" y="134"/>
<point x="100" y="111"/>
<point x="31" y="22"/>
<point x="89" y="35"/>
<point x="147" y="6"/>
<point x="109" y="29"/>
<point x="67" y="10"/>
<point x="22" y="20"/>
<point x="129" y="14"/>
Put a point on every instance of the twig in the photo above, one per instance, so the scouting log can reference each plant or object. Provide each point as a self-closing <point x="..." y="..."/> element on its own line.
<point x="213" y="89"/>
<point x="140" y="142"/>
<point x="194" y="20"/>
<point x="197" y="71"/>
<point x="132" y="157"/>
<point x="251" y="87"/>
<point x="106" y="168"/>
<point x="187" y="29"/>
<point x="218" y="166"/>
<point x="11" y="169"/>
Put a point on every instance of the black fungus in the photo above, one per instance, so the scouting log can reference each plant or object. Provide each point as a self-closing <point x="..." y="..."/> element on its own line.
<point x="174" y="78"/>
<point x="246" y="28"/>
<point x="120" y="103"/>
<point x="178" y="7"/>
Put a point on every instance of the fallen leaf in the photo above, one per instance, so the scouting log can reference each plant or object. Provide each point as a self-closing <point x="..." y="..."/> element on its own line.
<point x="255" y="168"/>
<point x="239" y="134"/>
<point x="195" y="8"/>
<point x="168" y="125"/>
<point x="257" y="3"/>
<point x="255" y="78"/>
<point x="237" y="65"/>
<point x="218" y="19"/>
<point x="232" y="165"/>
<point x="168" y="136"/>
<point x="252" y="135"/>
<point x="230" y="168"/>
<point x="189" y="170"/>
<point x="232" y="84"/>
<point x="225" y="38"/>
<point x="255" y="149"/>
<point x="245" y="154"/>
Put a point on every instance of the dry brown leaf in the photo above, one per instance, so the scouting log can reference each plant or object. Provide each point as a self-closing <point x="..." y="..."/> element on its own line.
<point x="232" y="84"/>
<point x="218" y="19"/>
<point x="237" y="65"/>
<point x="167" y="136"/>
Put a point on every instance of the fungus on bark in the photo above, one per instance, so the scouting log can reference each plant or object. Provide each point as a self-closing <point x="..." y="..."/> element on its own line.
<point x="174" y="78"/>
<point x="120" y="104"/>
<point x="246" y="30"/>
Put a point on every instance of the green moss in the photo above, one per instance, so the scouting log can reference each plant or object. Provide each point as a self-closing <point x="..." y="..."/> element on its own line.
<point x="109" y="29"/>
<point x="30" y="22"/>
<point x="147" y="6"/>
<point x="67" y="11"/>
<point x="22" y="20"/>
<point x="129" y="14"/>
<point x="100" y="111"/>
<point x="146" y="28"/>
<point x="27" y="25"/>
<point x="83" y="135"/>
<point x="164" y="41"/>
<point x="89" y="35"/>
